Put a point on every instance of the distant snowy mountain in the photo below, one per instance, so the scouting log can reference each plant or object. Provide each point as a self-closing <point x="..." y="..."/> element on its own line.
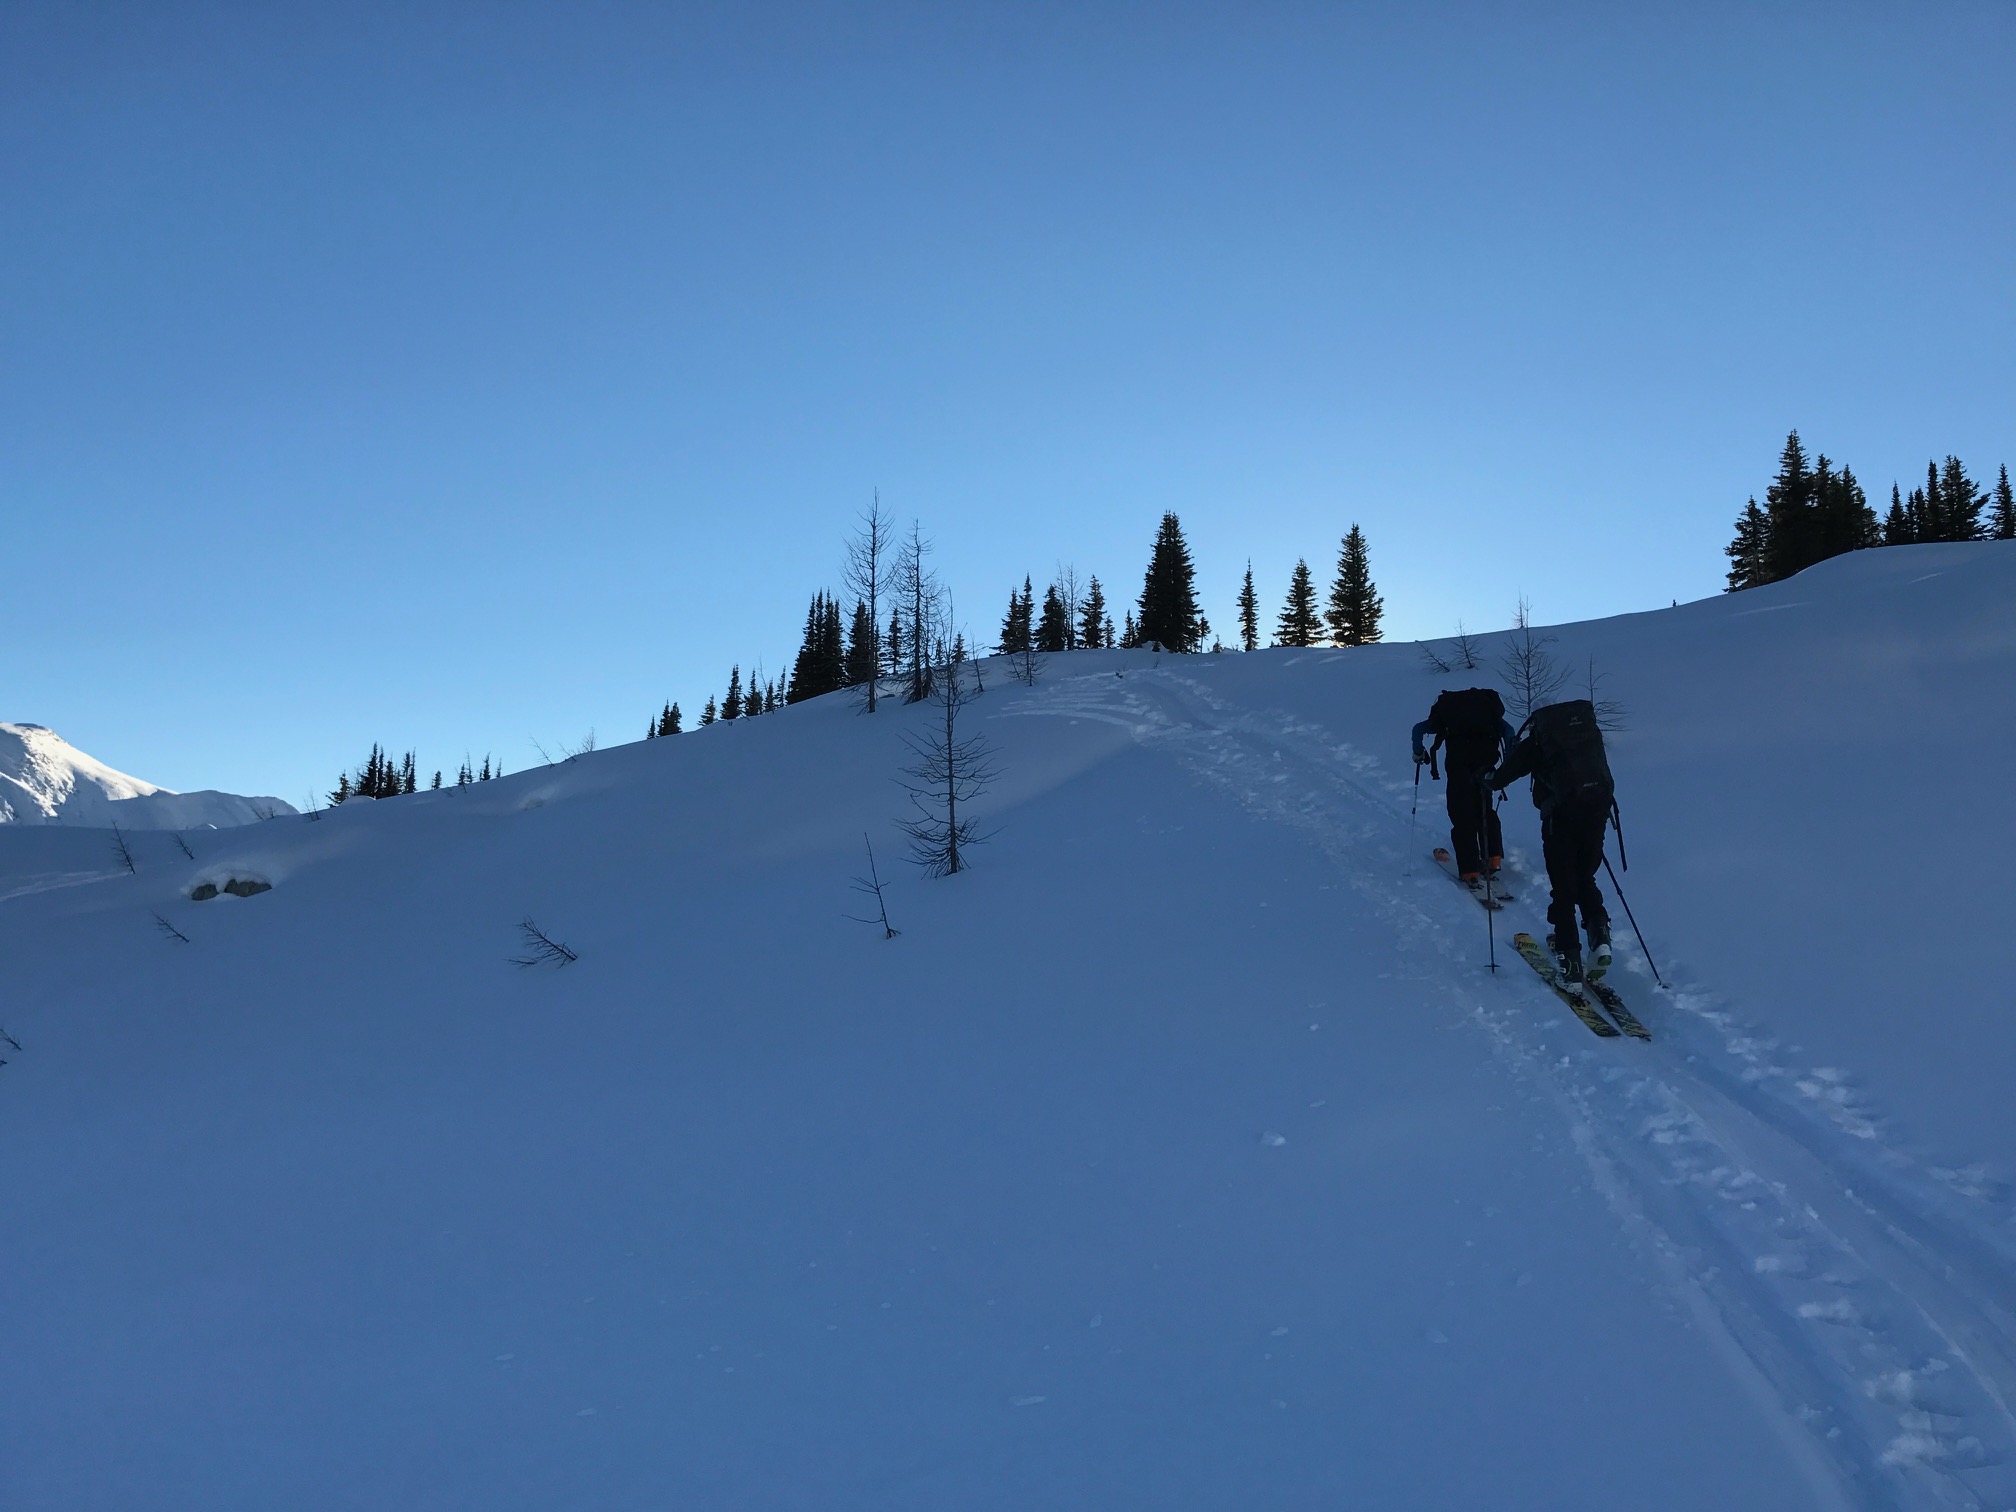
<point x="46" y="780"/>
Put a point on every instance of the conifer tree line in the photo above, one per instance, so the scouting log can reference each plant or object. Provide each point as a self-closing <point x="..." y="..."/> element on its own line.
<point x="1813" y="511"/>
<point x="382" y="777"/>
<point x="849" y="644"/>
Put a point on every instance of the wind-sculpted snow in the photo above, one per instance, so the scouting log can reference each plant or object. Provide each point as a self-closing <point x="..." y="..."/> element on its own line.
<point x="1183" y="1154"/>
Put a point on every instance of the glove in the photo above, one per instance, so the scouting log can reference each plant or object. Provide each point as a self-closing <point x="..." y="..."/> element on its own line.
<point x="1420" y="757"/>
<point x="1488" y="779"/>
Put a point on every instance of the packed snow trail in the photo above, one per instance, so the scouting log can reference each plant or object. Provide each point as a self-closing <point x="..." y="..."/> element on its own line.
<point x="1863" y="1293"/>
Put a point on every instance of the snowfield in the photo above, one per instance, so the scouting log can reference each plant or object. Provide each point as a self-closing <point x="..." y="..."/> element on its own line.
<point x="46" y="780"/>
<point x="1182" y="1154"/>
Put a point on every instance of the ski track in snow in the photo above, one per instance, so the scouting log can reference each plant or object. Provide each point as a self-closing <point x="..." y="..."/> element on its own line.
<point x="1860" y="1294"/>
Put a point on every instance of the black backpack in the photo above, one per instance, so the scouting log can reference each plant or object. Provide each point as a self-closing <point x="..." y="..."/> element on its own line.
<point x="1467" y="721"/>
<point x="1572" y="763"/>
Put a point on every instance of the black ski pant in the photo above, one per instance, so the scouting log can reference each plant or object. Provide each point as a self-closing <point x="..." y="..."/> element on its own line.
<point x="1571" y="839"/>
<point x="1473" y="819"/>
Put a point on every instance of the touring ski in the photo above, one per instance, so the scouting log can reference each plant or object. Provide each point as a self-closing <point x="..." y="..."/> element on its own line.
<point x="1498" y="897"/>
<point x="1605" y="994"/>
<point x="1549" y="973"/>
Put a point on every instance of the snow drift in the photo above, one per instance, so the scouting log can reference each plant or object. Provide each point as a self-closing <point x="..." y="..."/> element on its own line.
<point x="1183" y="1154"/>
<point x="46" y="780"/>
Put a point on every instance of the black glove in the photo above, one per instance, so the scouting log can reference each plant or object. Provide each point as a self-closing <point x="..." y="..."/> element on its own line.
<point x="1488" y="779"/>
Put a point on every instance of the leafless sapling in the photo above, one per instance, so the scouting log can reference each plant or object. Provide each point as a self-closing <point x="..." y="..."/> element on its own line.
<point x="183" y="845"/>
<point x="541" y="949"/>
<point x="11" y="1043"/>
<point x="121" y="851"/>
<point x="948" y="772"/>
<point x="1433" y="659"/>
<point x="871" y="886"/>
<point x="920" y="599"/>
<point x="169" y="931"/>
<point x="868" y="576"/>
<point x="1610" y="713"/>
<point x="1464" y="650"/>
<point x="1071" y="594"/>
<point x="1532" y="676"/>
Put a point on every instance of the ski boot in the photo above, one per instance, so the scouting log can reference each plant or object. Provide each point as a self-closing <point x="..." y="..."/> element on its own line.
<point x="1599" y="952"/>
<point x="1569" y="961"/>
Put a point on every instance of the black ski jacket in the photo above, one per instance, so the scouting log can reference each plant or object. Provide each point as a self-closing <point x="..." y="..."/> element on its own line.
<point x="1527" y="759"/>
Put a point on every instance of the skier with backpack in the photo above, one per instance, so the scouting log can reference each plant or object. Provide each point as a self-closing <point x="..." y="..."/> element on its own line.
<point x="1561" y="748"/>
<point x="1470" y="734"/>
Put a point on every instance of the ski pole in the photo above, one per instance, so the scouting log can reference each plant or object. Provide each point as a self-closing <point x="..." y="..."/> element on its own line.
<point x="1490" y="893"/>
<point x="1411" y="812"/>
<point x="1634" y="923"/>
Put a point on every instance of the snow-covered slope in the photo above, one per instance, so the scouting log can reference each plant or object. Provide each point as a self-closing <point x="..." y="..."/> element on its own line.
<point x="1183" y="1154"/>
<point x="46" y="780"/>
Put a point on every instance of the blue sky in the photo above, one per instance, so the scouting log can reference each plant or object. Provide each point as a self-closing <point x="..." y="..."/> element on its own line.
<point x="453" y="376"/>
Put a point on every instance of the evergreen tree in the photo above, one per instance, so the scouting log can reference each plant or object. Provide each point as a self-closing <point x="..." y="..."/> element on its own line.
<point x="1249" y="612"/>
<point x="486" y="774"/>
<point x="863" y="649"/>
<point x="1746" y="552"/>
<point x="1017" y="626"/>
<point x="2002" y="523"/>
<point x="821" y="666"/>
<point x="1788" y="545"/>
<point x="668" y="720"/>
<point x="1897" y="525"/>
<point x="1168" y="608"/>
<point x="1299" y="624"/>
<point x="435" y="786"/>
<point x="465" y="776"/>
<point x="1961" y="500"/>
<point x="1053" y="631"/>
<point x="708" y="713"/>
<point x="1094" y="628"/>
<point x="893" y="645"/>
<point x="1130" y="636"/>
<point x="1355" y="605"/>
<point x="1109" y="636"/>
<point x="731" y="706"/>
<point x="1842" y="519"/>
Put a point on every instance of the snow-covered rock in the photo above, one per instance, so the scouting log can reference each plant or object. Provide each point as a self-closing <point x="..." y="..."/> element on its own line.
<point x="46" y="780"/>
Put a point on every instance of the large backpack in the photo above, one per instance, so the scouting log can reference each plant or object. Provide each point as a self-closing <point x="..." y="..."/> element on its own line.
<point x="1572" y="764"/>
<point x="1467" y="722"/>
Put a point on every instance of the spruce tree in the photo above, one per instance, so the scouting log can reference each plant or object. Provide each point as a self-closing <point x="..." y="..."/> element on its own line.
<point x="2002" y="523"/>
<point x="1168" y="607"/>
<point x="435" y="785"/>
<point x="1788" y="503"/>
<point x="1249" y="612"/>
<point x="1053" y="631"/>
<point x="863" y="650"/>
<point x="1299" y="624"/>
<point x="1746" y="552"/>
<point x="1355" y="605"/>
<point x="1014" y="625"/>
<point x="1094" y="629"/>
<point x="1897" y="524"/>
<point x="708" y="714"/>
<point x="1130" y="634"/>
<point x="1960" y="503"/>
<point x="892" y="646"/>
<point x="731" y="706"/>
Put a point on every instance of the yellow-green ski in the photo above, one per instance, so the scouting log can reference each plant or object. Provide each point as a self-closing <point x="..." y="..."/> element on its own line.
<point x="1549" y="973"/>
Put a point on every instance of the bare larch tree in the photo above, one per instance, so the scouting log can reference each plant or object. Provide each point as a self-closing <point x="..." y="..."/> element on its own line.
<point x="949" y="771"/>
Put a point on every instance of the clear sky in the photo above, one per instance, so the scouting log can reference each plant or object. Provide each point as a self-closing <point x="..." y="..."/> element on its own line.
<point x="454" y="375"/>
